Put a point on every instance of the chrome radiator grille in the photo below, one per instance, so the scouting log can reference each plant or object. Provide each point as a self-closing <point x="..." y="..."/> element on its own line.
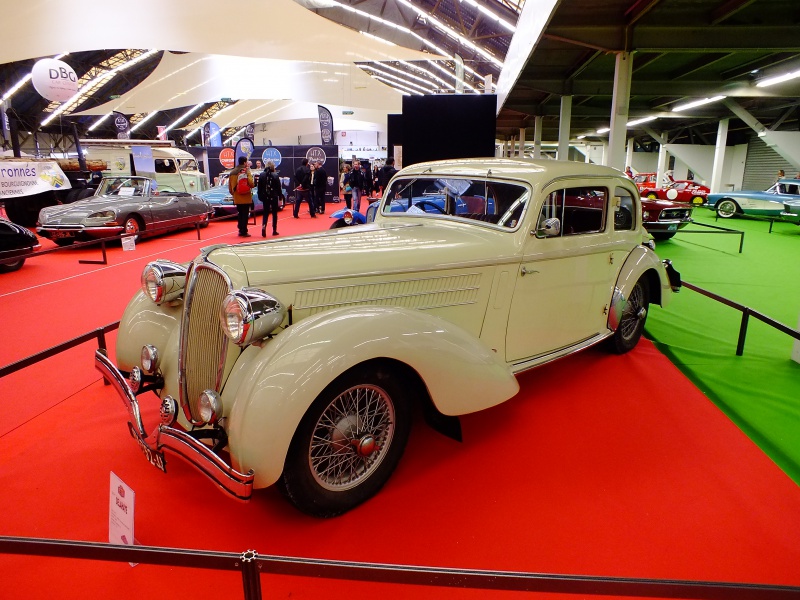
<point x="203" y="344"/>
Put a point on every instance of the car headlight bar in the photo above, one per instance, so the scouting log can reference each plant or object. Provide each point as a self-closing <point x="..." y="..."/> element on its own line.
<point x="250" y="314"/>
<point x="163" y="281"/>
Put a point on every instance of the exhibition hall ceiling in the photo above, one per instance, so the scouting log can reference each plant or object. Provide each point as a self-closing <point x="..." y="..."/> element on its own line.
<point x="360" y="56"/>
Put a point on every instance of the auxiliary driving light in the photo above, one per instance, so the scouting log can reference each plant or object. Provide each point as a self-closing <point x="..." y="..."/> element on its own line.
<point x="249" y="315"/>
<point x="169" y="410"/>
<point x="149" y="359"/>
<point x="135" y="379"/>
<point x="210" y="406"/>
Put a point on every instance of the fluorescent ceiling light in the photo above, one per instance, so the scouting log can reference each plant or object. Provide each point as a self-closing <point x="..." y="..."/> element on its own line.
<point x="778" y="79"/>
<point x="696" y="103"/>
<point x="604" y="130"/>
<point x="640" y="121"/>
<point x="580" y="137"/>
<point x="25" y="80"/>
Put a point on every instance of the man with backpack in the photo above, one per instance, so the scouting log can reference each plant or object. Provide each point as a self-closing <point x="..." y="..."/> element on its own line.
<point x="240" y="184"/>
<point x="269" y="192"/>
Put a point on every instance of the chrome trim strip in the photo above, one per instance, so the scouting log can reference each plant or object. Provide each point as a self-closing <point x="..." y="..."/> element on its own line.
<point x="239" y="485"/>
<point x="530" y="363"/>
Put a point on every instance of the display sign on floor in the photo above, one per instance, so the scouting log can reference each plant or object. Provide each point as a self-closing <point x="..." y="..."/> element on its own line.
<point x="120" y="513"/>
<point x="129" y="243"/>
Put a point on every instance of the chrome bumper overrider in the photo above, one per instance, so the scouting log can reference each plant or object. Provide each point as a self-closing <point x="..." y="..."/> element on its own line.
<point x="239" y="485"/>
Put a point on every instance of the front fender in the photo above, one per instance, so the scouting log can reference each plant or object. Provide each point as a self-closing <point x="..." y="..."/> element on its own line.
<point x="271" y="388"/>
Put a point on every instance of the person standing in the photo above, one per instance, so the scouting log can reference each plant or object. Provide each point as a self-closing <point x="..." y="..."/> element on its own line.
<point x="320" y="185"/>
<point x="385" y="174"/>
<point x="302" y="180"/>
<point x="240" y="185"/>
<point x="357" y="184"/>
<point x="344" y="186"/>
<point x="269" y="192"/>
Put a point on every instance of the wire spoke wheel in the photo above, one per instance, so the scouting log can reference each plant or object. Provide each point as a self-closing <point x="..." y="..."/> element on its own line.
<point x="634" y="313"/>
<point x="351" y="437"/>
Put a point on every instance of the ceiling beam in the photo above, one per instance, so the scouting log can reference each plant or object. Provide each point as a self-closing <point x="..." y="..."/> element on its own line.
<point x="638" y="10"/>
<point x="728" y="9"/>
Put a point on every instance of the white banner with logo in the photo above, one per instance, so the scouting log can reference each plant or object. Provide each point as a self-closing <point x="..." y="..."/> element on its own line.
<point x="25" y="178"/>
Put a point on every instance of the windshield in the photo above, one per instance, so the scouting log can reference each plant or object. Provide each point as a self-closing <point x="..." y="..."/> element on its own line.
<point x="123" y="186"/>
<point x="187" y="165"/>
<point x="494" y="202"/>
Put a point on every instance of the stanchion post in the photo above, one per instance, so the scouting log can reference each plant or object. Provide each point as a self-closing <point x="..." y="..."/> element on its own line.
<point x="251" y="578"/>
<point x="742" y="331"/>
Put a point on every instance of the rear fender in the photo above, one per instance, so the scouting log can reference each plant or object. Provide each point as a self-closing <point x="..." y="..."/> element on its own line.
<point x="641" y="263"/>
<point x="271" y="387"/>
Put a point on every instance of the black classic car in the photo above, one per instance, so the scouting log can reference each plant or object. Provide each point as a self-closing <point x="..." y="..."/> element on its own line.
<point x="16" y="242"/>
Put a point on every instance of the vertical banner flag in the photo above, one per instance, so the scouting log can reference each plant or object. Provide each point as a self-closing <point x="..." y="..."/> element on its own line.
<point x="325" y="125"/>
<point x="162" y="132"/>
<point x="250" y="132"/>
<point x="244" y="147"/>
<point x="122" y="126"/>
<point x="211" y="135"/>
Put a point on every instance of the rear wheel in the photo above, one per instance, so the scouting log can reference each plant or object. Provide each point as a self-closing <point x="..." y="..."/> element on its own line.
<point x="63" y="242"/>
<point x="727" y="208"/>
<point x="348" y="443"/>
<point x="631" y="324"/>
<point x="205" y="221"/>
<point x="12" y="266"/>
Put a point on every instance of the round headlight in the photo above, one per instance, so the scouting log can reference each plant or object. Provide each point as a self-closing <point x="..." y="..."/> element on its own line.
<point x="149" y="359"/>
<point x="163" y="281"/>
<point x="348" y="217"/>
<point x="249" y="314"/>
<point x="645" y="215"/>
<point x="210" y="406"/>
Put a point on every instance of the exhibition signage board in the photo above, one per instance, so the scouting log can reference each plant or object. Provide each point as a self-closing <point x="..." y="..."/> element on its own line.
<point x="25" y="178"/>
<point x="122" y="125"/>
<point x="244" y="147"/>
<point x="143" y="161"/>
<point x="211" y="135"/>
<point x="120" y="512"/>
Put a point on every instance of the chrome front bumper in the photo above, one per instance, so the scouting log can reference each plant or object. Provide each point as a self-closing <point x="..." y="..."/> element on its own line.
<point x="239" y="485"/>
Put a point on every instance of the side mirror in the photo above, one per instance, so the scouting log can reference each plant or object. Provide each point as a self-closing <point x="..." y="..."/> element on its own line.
<point x="550" y="227"/>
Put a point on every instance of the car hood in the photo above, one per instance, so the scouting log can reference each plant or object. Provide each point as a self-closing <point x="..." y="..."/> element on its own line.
<point x="79" y="209"/>
<point x="364" y="250"/>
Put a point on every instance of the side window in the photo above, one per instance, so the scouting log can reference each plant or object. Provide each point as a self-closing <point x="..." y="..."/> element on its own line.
<point x="580" y="210"/>
<point x="165" y="165"/>
<point x="623" y="210"/>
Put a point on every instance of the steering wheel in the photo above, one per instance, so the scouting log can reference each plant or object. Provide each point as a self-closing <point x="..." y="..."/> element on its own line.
<point x="424" y="203"/>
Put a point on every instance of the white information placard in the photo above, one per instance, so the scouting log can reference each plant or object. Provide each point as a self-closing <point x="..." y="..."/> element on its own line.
<point x="120" y="512"/>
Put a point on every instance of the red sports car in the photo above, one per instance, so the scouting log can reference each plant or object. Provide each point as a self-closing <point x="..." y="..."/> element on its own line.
<point x="680" y="191"/>
<point x="663" y="218"/>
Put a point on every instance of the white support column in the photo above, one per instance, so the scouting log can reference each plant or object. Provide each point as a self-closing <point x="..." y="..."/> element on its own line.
<point x="623" y="73"/>
<point x="564" y="122"/>
<point x="537" y="137"/>
<point x="521" y="152"/>
<point x="629" y="154"/>
<point x="719" y="156"/>
<point x="661" y="169"/>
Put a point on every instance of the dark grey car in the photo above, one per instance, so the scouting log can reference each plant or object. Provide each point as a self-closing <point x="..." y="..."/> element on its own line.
<point x="123" y="205"/>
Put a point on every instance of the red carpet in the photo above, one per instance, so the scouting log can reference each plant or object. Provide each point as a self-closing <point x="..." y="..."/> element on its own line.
<point x="624" y="470"/>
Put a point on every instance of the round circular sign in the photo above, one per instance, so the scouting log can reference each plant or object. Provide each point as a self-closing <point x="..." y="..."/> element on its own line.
<point x="315" y="154"/>
<point x="672" y="194"/>
<point x="226" y="157"/>
<point x="54" y="79"/>
<point x="272" y="154"/>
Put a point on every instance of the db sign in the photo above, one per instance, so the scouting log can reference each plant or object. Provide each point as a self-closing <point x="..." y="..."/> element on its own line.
<point x="54" y="79"/>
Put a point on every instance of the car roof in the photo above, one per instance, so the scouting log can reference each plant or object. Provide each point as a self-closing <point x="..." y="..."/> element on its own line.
<point x="512" y="168"/>
<point x="789" y="181"/>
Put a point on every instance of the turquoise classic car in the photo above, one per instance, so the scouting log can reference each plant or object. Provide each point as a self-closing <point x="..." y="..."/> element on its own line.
<point x="769" y="203"/>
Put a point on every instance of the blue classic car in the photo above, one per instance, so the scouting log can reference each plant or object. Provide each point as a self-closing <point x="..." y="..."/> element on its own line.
<point x="220" y="197"/>
<point x="770" y="203"/>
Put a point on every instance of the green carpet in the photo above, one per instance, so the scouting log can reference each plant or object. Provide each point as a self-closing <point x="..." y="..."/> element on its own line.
<point x="759" y="391"/>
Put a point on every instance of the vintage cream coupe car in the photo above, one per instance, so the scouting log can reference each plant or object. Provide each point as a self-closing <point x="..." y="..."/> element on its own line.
<point x="298" y="361"/>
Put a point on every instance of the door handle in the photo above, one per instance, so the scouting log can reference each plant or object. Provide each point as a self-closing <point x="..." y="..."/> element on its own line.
<point x="523" y="271"/>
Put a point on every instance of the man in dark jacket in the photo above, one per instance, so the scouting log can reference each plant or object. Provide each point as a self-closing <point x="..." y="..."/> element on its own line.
<point x="302" y="180"/>
<point x="358" y="184"/>
<point x="269" y="192"/>
<point x="385" y="174"/>
<point x="320" y="185"/>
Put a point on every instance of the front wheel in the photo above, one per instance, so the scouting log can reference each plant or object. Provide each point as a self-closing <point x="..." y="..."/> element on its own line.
<point x="727" y="208"/>
<point x="631" y="324"/>
<point x="348" y="443"/>
<point x="133" y="227"/>
<point x="698" y="200"/>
